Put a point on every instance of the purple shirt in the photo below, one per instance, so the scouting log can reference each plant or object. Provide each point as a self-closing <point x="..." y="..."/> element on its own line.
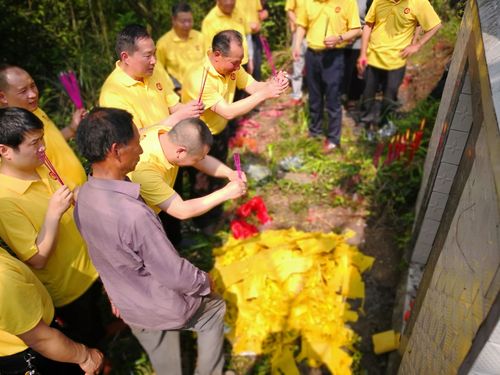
<point x="144" y="276"/>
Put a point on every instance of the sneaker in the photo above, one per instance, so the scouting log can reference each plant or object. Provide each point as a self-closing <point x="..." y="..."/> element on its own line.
<point x="330" y="146"/>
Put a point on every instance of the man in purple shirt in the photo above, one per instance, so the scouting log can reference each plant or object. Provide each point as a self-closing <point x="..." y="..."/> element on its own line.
<point x="154" y="289"/>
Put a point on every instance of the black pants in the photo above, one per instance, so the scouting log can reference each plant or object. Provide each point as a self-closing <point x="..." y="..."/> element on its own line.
<point x="202" y="184"/>
<point x="352" y="86"/>
<point x="324" y="72"/>
<point x="257" y="57"/>
<point x="375" y="112"/>
<point x="21" y="363"/>
<point x="81" y="319"/>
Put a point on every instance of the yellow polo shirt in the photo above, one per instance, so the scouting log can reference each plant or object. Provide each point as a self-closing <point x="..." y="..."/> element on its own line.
<point x="23" y="205"/>
<point x="217" y="88"/>
<point x="251" y="9"/>
<point x="153" y="172"/>
<point x="293" y="5"/>
<point x="60" y="153"/>
<point x="147" y="101"/>
<point x="326" y="18"/>
<point x="24" y="301"/>
<point x="394" y="26"/>
<point x="216" y="21"/>
<point x="176" y="54"/>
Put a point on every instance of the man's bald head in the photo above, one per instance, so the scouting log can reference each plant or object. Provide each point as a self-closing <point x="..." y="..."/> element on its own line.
<point x="193" y="134"/>
<point x="17" y="88"/>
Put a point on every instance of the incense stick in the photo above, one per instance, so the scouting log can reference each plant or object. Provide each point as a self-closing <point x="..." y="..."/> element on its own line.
<point x="42" y="156"/>
<point x="237" y="164"/>
<point x="203" y="81"/>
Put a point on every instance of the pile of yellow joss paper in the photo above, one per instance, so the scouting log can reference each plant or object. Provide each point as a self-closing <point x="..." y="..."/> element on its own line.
<point x="287" y="297"/>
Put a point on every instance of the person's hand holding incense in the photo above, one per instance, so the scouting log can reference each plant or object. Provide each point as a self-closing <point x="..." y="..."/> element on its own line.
<point x="233" y="176"/>
<point x="60" y="202"/>
<point x="235" y="189"/>
<point x="183" y="111"/>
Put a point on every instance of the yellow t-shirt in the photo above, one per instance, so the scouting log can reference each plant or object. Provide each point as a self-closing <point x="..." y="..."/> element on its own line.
<point x="147" y="101"/>
<point x="176" y="54"/>
<point x="153" y="172"/>
<point x="23" y="205"/>
<point x="251" y="9"/>
<point x="216" y="21"/>
<point x="393" y="29"/>
<point x="23" y="302"/>
<point x="217" y="88"/>
<point x="60" y="153"/>
<point x="293" y="5"/>
<point x="326" y="18"/>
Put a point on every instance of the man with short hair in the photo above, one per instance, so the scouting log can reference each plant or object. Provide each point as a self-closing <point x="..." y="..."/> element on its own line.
<point x="18" y="89"/>
<point x="223" y="77"/>
<point x="390" y="36"/>
<point x="141" y="86"/>
<point x="181" y="46"/>
<point x="36" y="223"/>
<point x="328" y="26"/>
<point x="154" y="289"/>
<point x="29" y="338"/>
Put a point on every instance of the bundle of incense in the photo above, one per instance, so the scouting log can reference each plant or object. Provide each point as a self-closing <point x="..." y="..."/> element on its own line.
<point x="237" y="164"/>
<point x="203" y="81"/>
<point x="268" y="53"/>
<point x="42" y="156"/>
<point x="70" y="84"/>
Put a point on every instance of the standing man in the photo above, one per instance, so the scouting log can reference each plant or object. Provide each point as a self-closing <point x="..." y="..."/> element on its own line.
<point x="154" y="289"/>
<point x="17" y="89"/>
<point x="291" y="8"/>
<point x="329" y="26"/>
<point x="181" y="46"/>
<point x="36" y="222"/>
<point x="389" y="38"/>
<point x="141" y="86"/>
<point x="223" y="77"/>
<point x="29" y="340"/>
<point x="225" y="16"/>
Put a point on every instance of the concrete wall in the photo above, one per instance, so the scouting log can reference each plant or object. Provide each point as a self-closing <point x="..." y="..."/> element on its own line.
<point x="457" y="231"/>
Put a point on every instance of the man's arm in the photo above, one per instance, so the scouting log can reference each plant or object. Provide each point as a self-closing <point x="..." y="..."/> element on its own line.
<point x="69" y="131"/>
<point x="54" y="345"/>
<point x="418" y="44"/>
<point x="181" y="111"/>
<point x="46" y="240"/>
<point x="185" y="209"/>
<point x="332" y="40"/>
<point x="215" y="168"/>
<point x="365" y="38"/>
<point x="299" y="37"/>
<point x="268" y="90"/>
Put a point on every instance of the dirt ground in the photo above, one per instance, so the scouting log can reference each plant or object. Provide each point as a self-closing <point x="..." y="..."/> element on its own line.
<point x="373" y="235"/>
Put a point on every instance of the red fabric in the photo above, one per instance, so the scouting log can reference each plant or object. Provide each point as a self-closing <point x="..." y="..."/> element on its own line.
<point x="240" y="227"/>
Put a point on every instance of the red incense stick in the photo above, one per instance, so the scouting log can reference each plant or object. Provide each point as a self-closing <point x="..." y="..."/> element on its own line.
<point x="237" y="164"/>
<point x="42" y="156"/>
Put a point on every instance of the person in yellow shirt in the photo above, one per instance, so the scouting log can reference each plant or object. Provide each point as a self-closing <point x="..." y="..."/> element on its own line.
<point x="18" y="89"/>
<point x="186" y="144"/>
<point x="255" y="14"/>
<point x="29" y="339"/>
<point x="225" y="16"/>
<point x="390" y="36"/>
<point x="328" y="26"/>
<point x="141" y="86"/>
<point x="181" y="46"/>
<point x="291" y="7"/>
<point x="36" y="222"/>
<point x="223" y="77"/>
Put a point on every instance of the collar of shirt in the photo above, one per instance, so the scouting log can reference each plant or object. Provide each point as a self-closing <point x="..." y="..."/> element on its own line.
<point x="20" y="186"/>
<point x="125" y="79"/>
<point x="177" y="38"/>
<point x="119" y="186"/>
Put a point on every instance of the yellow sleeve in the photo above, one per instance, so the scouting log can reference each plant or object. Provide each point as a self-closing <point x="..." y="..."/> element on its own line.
<point x="353" y="21"/>
<point x="370" y="16"/>
<point x="154" y="188"/>
<point x="24" y="308"/>
<point x="243" y="79"/>
<point x="427" y="16"/>
<point x="17" y="231"/>
<point x="290" y="5"/>
<point x="301" y="13"/>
